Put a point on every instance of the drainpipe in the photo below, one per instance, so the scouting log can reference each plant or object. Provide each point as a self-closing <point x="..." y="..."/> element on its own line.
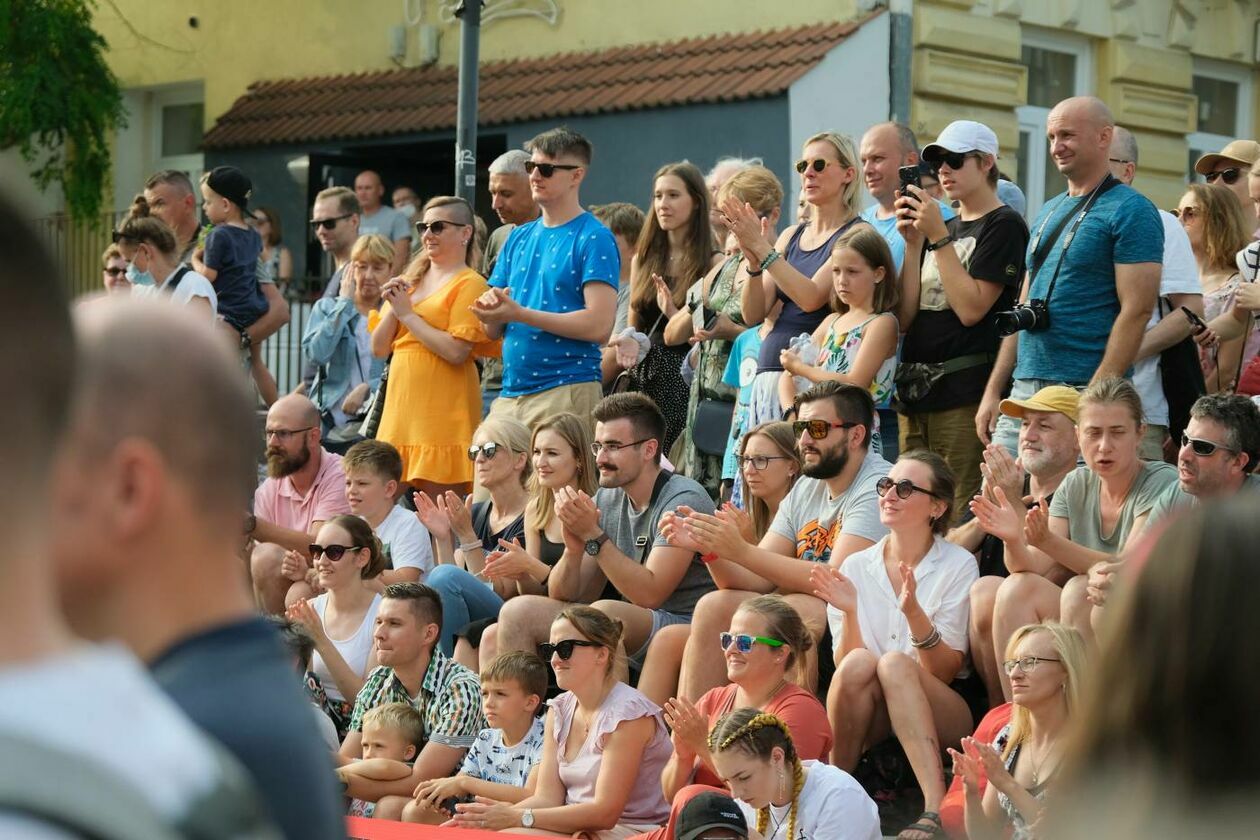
<point x="900" y="55"/>
<point x="469" y="14"/>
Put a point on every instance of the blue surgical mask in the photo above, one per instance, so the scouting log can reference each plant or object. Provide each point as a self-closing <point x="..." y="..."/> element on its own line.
<point x="138" y="277"/>
<point x="408" y="210"/>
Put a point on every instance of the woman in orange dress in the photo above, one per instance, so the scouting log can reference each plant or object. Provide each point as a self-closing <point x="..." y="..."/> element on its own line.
<point x="433" y="395"/>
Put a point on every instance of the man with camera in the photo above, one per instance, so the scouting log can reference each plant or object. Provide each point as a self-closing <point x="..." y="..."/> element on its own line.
<point x="1092" y="275"/>
<point x="956" y="275"/>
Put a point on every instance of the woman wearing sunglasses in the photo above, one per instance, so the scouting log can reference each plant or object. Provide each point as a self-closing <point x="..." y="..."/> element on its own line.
<point x="603" y="750"/>
<point x="1045" y="663"/>
<point x="467" y="532"/>
<point x="433" y="396"/>
<point x="346" y="555"/>
<point x="795" y="268"/>
<point x="899" y="615"/>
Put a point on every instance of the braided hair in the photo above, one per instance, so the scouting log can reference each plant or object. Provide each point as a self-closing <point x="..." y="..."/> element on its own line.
<point x="757" y="733"/>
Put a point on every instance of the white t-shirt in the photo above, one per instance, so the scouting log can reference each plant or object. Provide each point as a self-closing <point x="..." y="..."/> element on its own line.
<point x="191" y="285"/>
<point x="406" y="541"/>
<point x="1179" y="276"/>
<point x="943" y="583"/>
<point x="831" y="804"/>
<point x="98" y="702"/>
<point x="354" y="650"/>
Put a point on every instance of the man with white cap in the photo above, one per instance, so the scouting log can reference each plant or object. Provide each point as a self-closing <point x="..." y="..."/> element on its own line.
<point x="956" y="275"/>
<point x="1229" y="168"/>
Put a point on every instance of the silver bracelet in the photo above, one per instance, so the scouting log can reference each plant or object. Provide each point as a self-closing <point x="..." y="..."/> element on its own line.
<point x="472" y="546"/>
<point x="933" y="639"/>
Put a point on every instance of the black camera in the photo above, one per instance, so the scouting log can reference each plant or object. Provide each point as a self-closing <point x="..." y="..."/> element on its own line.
<point x="1033" y="315"/>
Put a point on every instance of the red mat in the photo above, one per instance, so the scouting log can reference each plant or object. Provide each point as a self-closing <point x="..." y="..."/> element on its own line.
<point x="358" y="828"/>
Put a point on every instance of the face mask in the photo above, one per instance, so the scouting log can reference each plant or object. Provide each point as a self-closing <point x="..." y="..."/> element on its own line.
<point x="408" y="210"/>
<point x="138" y="277"/>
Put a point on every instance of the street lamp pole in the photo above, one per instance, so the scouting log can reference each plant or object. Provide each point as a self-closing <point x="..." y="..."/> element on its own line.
<point x="469" y="14"/>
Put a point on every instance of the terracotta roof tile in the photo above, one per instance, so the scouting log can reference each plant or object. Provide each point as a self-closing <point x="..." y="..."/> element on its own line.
<point x="716" y="68"/>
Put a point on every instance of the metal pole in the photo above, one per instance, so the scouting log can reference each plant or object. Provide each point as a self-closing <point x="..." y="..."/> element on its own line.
<point x="469" y="14"/>
<point x="900" y="56"/>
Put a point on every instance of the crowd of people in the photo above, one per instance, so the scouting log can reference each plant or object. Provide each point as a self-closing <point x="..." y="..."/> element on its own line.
<point x="692" y="524"/>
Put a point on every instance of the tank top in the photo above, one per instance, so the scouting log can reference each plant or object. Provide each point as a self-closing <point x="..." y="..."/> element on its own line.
<point x="793" y="320"/>
<point x="354" y="650"/>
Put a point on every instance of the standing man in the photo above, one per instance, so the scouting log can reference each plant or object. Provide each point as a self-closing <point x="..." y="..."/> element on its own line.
<point x="1229" y="168"/>
<point x="1102" y="243"/>
<point x="885" y="148"/>
<point x="336" y="217"/>
<point x="1178" y="286"/>
<point x="172" y="199"/>
<point x="554" y="290"/>
<point x="377" y="218"/>
<point x="407" y="202"/>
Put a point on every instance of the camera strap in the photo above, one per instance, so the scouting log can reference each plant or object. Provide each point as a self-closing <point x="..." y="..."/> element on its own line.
<point x="1041" y="251"/>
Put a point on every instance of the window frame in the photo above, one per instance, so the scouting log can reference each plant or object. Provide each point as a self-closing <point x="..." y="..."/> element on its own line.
<point x="1200" y="143"/>
<point x="193" y="164"/>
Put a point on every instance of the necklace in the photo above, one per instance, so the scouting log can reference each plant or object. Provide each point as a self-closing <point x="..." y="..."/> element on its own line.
<point x="1037" y="768"/>
<point x="777" y="822"/>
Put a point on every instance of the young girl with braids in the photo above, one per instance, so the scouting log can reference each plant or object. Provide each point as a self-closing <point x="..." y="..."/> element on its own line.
<point x="784" y="797"/>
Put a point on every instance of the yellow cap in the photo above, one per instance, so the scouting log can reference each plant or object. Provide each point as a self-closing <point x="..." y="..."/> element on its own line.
<point x="1246" y="152"/>
<point x="1058" y="398"/>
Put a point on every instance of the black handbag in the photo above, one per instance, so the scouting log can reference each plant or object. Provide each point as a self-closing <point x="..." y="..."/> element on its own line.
<point x="372" y="420"/>
<point x="1181" y="376"/>
<point x="711" y="427"/>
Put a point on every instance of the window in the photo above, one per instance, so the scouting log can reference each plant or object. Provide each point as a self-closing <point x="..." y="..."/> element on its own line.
<point x="177" y="122"/>
<point x="1059" y="66"/>
<point x="1224" y="114"/>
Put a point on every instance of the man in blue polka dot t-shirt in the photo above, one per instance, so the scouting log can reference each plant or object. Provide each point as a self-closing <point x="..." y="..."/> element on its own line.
<point x="553" y="294"/>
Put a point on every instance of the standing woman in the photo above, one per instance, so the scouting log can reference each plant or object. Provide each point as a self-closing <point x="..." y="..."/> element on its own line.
<point x="794" y="269"/>
<point x="712" y="319"/>
<point x="675" y="248"/>
<point x="428" y="325"/>
<point x="151" y="250"/>
<point x="276" y="261"/>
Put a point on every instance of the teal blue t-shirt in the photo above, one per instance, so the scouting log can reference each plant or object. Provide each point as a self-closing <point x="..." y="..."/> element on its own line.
<point x="888" y="229"/>
<point x="546" y="269"/>
<point x="1122" y="228"/>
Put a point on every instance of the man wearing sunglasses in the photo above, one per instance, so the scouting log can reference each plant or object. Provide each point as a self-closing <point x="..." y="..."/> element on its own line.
<point x="553" y="294"/>
<point x="1229" y="168"/>
<point x="335" y="223"/>
<point x="831" y="512"/>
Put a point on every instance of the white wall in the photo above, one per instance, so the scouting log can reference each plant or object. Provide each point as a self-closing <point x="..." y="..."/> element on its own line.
<point x="847" y="92"/>
<point x="20" y="188"/>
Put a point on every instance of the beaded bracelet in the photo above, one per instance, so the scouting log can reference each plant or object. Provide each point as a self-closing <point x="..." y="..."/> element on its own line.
<point x="769" y="259"/>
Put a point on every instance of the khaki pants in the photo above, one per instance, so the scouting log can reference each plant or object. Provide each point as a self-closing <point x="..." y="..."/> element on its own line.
<point x="532" y="409"/>
<point x="952" y="435"/>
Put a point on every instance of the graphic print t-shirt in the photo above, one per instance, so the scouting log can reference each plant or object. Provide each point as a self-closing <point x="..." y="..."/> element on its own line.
<point x="813" y="519"/>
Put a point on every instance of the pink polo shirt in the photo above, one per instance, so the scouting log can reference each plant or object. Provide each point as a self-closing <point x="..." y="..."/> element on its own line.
<point x="277" y="501"/>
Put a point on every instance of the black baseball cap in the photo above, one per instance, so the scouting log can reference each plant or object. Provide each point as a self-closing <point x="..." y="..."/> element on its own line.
<point x="707" y="811"/>
<point x="231" y="183"/>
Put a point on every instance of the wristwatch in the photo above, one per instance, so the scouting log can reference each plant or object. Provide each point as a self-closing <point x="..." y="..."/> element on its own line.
<point x="527" y="818"/>
<point x="592" y="549"/>
<point x="246" y="341"/>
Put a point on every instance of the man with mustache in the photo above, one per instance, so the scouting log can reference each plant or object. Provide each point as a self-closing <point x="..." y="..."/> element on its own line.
<point x="305" y="488"/>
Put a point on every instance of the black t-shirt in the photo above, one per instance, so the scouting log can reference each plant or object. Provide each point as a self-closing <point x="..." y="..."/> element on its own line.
<point x="991" y="555"/>
<point x="991" y="248"/>
<point x="515" y="530"/>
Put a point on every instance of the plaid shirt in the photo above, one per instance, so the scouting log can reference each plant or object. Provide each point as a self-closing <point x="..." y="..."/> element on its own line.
<point x="449" y="701"/>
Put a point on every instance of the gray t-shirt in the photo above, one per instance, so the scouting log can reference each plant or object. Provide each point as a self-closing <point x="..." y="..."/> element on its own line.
<point x="632" y="530"/>
<point x="1174" y="498"/>
<point x="812" y="518"/>
<point x="386" y="221"/>
<point x="1077" y="501"/>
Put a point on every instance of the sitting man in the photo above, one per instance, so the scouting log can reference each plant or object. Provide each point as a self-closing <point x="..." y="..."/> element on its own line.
<point x="306" y="487"/>
<point x="1047" y="453"/>
<point x="831" y="512"/>
<point x="412" y="670"/>
<point x="613" y="554"/>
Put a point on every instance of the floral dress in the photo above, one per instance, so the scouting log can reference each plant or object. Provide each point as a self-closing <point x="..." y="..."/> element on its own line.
<point x="840" y="350"/>
<point x="1019" y="825"/>
<point x="708" y="384"/>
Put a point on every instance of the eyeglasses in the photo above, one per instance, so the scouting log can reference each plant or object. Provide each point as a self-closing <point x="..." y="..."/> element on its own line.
<point x="1203" y="448"/>
<point x="818" y="429"/>
<point x="904" y="488"/>
<point x="1229" y="176"/>
<point x="759" y="462"/>
<point x="437" y="227"/>
<point x="333" y="552"/>
<point x="817" y="164"/>
<point x="1186" y="213"/>
<point x="487" y="449"/>
<point x="114" y="272"/>
<point x="744" y="642"/>
<point x="1119" y="160"/>
<point x="598" y="447"/>
<point x="285" y="434"/>
<point x="1027" y="664"/>
<point x="563" y="649"/>
<point x="329" y="224"/>
<point x="548" y="169"/>
<point x="954" y="160"/>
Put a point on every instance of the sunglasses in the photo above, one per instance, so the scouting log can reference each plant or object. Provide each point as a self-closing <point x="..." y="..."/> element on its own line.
<point x="329" y="224"/>
<point x="332" y="552"/>
<point x="817" y="164"/>
<point x="115" y="272"/>
<point x="1229" y="176"/>
<point x="954" y="160"/>
<point x="563" y="649"/>
<point x="744" y="642"/>
<point x="818" y="429"/>
<point x="904" y="488"/>
<point x="117" y="236"/>
<point x="1202" y="448"/>
<point x="437" y="227"/>
<point x="1186" y="213"/>
<point x="548" y="169"/>
<point x="487" y="449"/>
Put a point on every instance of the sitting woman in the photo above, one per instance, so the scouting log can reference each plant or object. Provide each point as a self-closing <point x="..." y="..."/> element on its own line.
<point x="604" y="746"/>
<point x="500" y="455"/>
<point x="764" y="653"/>
<point x="1045" y="663"/>
<point x="783" y="796"/>
<point x="899" y="649"/>
<point x="346" y="556"/>
<point x="770" y="465"/>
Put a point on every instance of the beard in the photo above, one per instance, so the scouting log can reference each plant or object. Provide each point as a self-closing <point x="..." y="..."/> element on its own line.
<point x="830" y="463"/>
<point x="280" y="464"/>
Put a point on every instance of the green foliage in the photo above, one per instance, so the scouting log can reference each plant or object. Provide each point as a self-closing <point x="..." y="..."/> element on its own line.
<point x="59" y="101"/>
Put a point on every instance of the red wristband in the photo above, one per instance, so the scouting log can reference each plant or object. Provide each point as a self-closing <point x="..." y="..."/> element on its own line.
<point x="708" y="558"/>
